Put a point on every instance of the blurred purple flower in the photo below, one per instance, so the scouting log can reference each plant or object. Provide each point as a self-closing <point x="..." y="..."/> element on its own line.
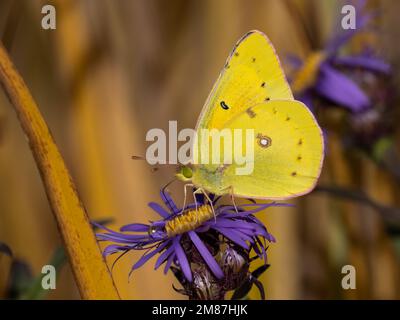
<point x="324" y="74"/>
<point x="174" y="236"/>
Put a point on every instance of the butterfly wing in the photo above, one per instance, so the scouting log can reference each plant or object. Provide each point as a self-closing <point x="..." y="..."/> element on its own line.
<point x="252" y="74"/>
<point x="288" y="153"/>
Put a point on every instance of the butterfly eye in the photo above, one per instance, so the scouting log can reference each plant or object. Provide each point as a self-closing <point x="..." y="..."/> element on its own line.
<point x="224" y="105"/>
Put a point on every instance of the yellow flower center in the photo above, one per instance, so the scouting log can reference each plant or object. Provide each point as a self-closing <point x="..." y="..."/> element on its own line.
<point x="188" y="220"/>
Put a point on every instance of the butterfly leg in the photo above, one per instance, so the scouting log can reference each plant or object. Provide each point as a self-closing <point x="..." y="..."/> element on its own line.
<point x="233" y="199"/>
<point x="195" y="201"/>
<point x="185" y="195"/>
<point x="211" y="204"/>
<point x="231" y="194"/>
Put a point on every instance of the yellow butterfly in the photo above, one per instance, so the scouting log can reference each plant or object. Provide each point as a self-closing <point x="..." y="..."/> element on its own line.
<point x="252" y="93"/>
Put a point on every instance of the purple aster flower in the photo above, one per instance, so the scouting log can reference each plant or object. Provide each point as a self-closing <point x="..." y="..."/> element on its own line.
<point x="207" y="249"/>
<point x="325" y="74"/>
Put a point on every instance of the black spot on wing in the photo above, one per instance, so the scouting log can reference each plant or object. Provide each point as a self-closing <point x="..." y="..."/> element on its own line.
<point x="224" y="105"/>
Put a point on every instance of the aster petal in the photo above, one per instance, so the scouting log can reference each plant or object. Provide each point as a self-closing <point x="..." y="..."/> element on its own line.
<point x="147" y="256"/>
<point x="307" y="98"/>
<point x="364" y="62"/>
<point x="113" y="248"/>
<point x="203" y="228"/>
<point x="170" y="259"/>
<point x="207" y="256"/>
<point x="294" y="61"/>
<point x="101" y="227"/>
<point x="233" y="236"/>
<point x="263" y="251"/>
<point x="158" y="223"/>
<point x="230" y="223"/>
<point x="164" y="256"/>
<point x="245" y="234"/>
<point x="271" y="238"/>
<point x="111" y="235"/>
<point x="122" y="238"/>
<point x="169" y="202"/>
<point x="135" y="227"/>
<point x="262" y="230"/>
<point x="160" y="210"/>
<point x="338" y="88"/>
<point x="266" y="235"/>
<point x="257" y="250"/>
<point x="182" y="259"/>
<point x="246" y="229"/>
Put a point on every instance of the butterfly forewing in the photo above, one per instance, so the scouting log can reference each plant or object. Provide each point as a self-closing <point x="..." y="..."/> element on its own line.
<point x="251" y="75"/>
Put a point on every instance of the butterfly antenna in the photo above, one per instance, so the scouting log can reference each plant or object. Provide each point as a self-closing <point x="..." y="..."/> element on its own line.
<point x="168" y="184"/>
<point x="153" y="168"/>
<point x="170" y="203"/>
<point x="152" y="159"/>
<point x="137" y="158"/>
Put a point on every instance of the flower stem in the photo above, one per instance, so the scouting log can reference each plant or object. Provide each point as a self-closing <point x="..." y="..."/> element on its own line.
<point x="91" y="273"/>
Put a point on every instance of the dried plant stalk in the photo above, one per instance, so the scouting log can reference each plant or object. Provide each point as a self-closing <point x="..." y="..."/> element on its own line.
<point x="5" y="268"/>
<point x="91" y="273"/>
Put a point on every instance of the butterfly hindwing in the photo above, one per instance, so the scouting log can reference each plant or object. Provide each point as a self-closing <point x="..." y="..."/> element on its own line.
<point x="288" y="151"/>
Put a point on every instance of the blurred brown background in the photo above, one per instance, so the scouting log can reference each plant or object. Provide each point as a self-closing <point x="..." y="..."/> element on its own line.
<point x="111" y="71"/>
